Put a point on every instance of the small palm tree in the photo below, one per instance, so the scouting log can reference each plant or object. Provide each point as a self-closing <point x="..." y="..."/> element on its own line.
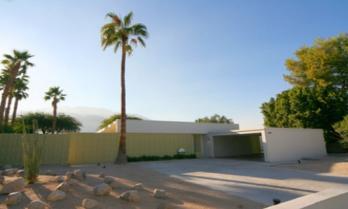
<point x="56" y="95"/>
<point x="121" y="33"/>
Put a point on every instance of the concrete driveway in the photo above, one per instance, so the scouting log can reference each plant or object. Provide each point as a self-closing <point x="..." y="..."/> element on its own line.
<point x="257" y="181"/>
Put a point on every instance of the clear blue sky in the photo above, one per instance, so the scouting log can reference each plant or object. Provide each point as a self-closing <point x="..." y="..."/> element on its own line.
<point x="202" y="57"/>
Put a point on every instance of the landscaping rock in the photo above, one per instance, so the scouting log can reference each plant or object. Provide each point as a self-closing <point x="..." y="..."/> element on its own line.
<point x="13" y="198"/>
<point x="38" y="204"/>
<point x="59" y="179"/>
<point x="79" y="175"/>
<point x="2" y="179"/>
<point x="160" y="193"/>
<point x="108" y="179"/>
<point x="72" y="182"/>
<point x="10" y="172"/>
<point x="130" y="196"/>
<point x="20" y="172"/>
<point x="13" y="186"/>
<point x="101" y="175"/>
<point x="68" y="175"/>
<point x="64" y="186"/>
<point x="102" y="189"/>
<point x="138" y="186"/>
<point x="56" y="195"/>
<point x="89" y="203"/>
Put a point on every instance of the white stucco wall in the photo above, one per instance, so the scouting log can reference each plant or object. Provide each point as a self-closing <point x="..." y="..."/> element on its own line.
<point x="288" y="144"/>
<point x="150" y="126"/>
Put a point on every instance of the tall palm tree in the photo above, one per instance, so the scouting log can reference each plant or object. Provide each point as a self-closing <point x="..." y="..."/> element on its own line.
<point x="19" y="84"/>
<point x="15" y="65"/>
<point x="121" y="33"/>
<point x="19" y="94"/>
<point x="56" y="95"/>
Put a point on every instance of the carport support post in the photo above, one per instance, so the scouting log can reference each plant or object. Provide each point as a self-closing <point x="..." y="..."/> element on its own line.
<point x="264" y="145"/>
<point x="208" y="146"/>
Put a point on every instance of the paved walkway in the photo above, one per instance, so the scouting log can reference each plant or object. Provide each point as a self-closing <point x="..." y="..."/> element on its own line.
<point x="257" y="181"/>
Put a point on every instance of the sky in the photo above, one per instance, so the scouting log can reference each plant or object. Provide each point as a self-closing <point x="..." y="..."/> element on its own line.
<point x="202" y="56"/>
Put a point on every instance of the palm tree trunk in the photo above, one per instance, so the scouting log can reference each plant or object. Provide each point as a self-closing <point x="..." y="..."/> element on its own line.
<point x="54" y="122"/>
<point x="122" y="155"/>
<point x="6" y="92"/>
<point x="4" y="96"/>
<point x="8" y="108"/>
<point x="14" y="114"/>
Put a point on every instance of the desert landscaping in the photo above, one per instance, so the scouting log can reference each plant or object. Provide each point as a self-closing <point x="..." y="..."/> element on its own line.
<point x="110" y="186"/>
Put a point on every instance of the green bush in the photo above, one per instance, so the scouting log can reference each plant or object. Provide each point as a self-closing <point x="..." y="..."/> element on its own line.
<point x="337" y="147"/>
<point x="157" y="158"/>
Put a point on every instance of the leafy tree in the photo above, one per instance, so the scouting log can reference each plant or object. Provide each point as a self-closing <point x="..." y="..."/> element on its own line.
<point x="114" y="117"/>
<point x="214" y="119"/>
<point x="121" y="33"/>
<point x="342" y="127"/>
<point x="56" y="95"/>
<point x="304" y="107"/>
<point x="15" y="65"/>
<point x="325" y="64"/>
<point x="65" y="123"/>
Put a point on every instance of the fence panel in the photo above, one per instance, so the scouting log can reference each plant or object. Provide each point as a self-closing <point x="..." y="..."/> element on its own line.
<point x="83" y="148"/>
<point x="10" y="149"/>
<point x="92" y="148"/>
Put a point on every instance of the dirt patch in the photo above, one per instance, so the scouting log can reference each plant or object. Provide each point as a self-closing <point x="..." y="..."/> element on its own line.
<point x="334" y="164"/>
<point x="180" y="194"/>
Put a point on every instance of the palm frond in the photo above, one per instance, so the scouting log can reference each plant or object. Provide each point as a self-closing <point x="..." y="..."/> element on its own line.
<point x="141" y="40"/>
<point x="127" y="20"/>
<point x="139" y="30"/>
<point x="116" y="19"/>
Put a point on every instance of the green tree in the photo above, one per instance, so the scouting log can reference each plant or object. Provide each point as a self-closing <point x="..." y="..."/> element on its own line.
<point x="342" y="127"/>
<point x="56" y="95"/>
<point x="304" y="107"/>
<point x="15" y="65"/>
<point x="324" y="64"/>
<point x="115" y="117"/>
<point x="216" y="118"/>
<point x="65" y="123"/>
<point x="121" y="33"/>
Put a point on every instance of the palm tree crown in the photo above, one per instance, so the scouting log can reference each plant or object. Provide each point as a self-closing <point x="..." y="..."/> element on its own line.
<point x="121" y="33"/>
<point x="19" y="58"/>
<point x="55" y="93"/>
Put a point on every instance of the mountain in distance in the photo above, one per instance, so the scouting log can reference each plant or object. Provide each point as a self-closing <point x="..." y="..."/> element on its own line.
<point x="90" y="117"/>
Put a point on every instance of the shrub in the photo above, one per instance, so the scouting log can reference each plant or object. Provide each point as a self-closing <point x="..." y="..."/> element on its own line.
<point x="32" y="153"/>
<point x="157" y="158"/>
<point x="337" y="147"/>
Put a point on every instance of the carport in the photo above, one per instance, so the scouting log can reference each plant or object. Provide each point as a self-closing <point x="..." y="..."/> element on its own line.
<point x="268" y="144"/>
<point x="238" y="145"/>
